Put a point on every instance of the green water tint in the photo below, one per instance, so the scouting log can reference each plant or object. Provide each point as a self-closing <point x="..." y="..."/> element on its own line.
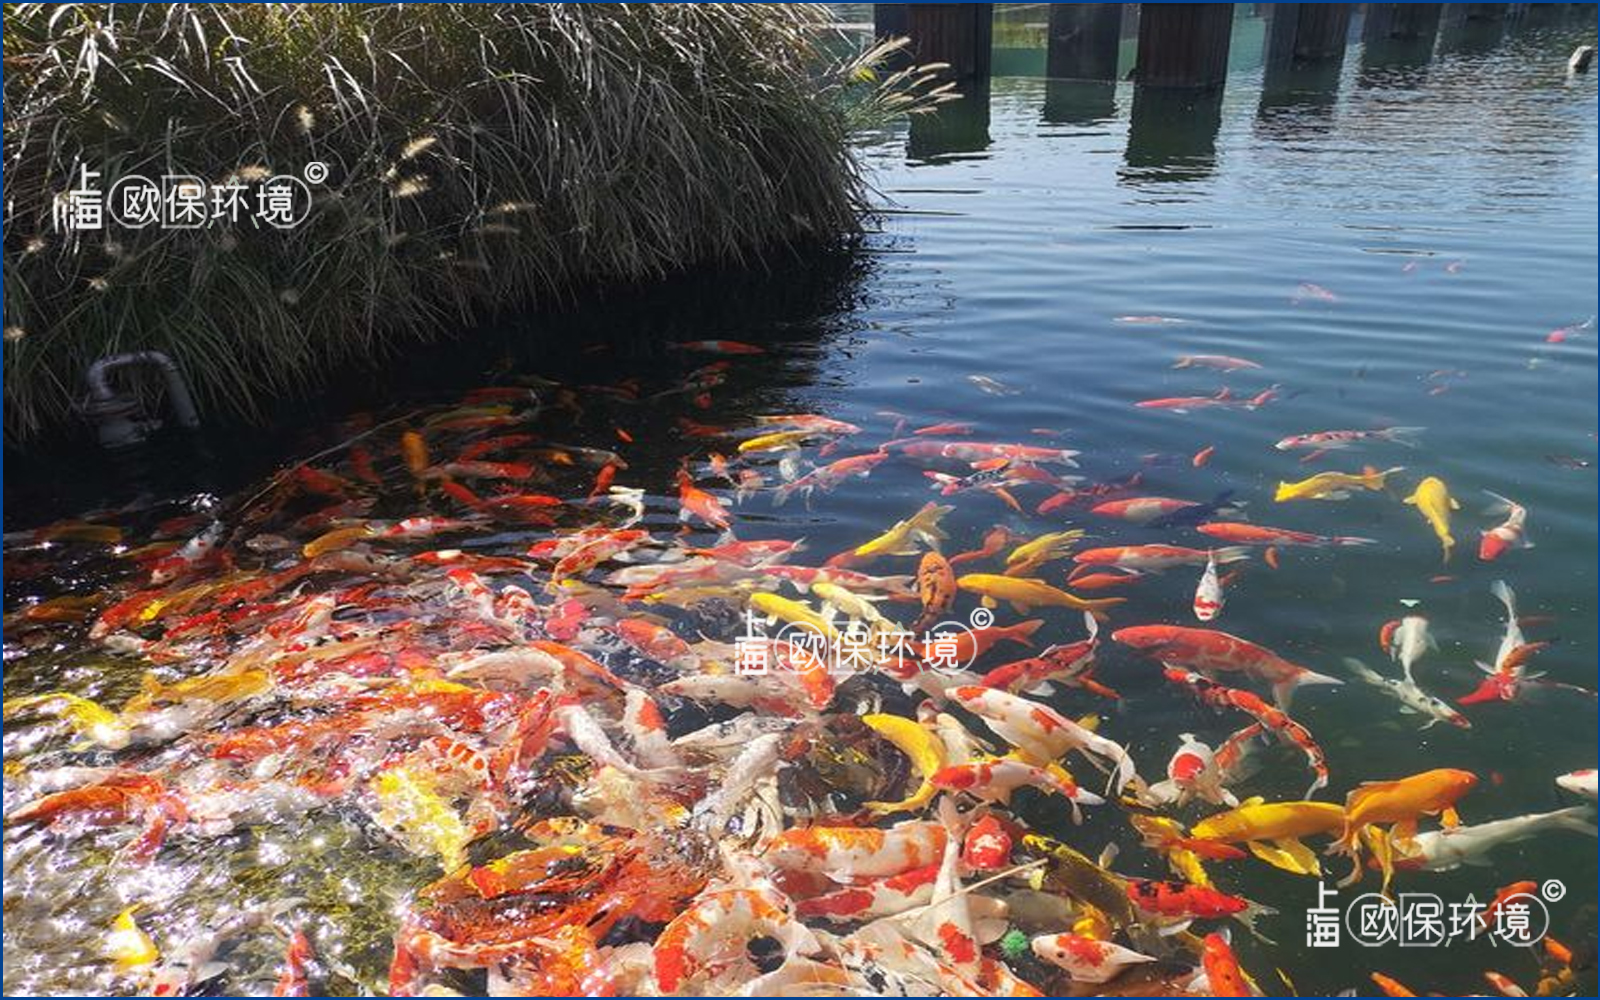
<point x="1023" y="233"/>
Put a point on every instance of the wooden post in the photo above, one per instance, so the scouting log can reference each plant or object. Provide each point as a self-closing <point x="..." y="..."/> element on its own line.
<point x="1184" y="44"/>
<point x="961" y="34"/>
<point x="1410" y="22"/>
<point x="1302" y="34"/>
<point x="1486" y="11"/>
<point x="1083" y="40"/>
<point x="1079" y="102"/>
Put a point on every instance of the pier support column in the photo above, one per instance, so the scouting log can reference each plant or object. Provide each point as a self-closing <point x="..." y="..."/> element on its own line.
<point x="1404" y="22"/>
<point x="1082" y="41"/>
<point x="1302" y="34"/>
<point x="1184" y="44"/>
<point x="961" y="34"/>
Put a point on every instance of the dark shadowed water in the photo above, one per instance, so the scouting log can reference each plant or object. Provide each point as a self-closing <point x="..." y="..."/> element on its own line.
<point x="1443" y="214"/>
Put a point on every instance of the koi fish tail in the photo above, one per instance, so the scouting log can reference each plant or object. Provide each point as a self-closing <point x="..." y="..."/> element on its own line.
<point x="1231" y="553"/>
<point x="1283" y="691"/>
<point x="1407" y="436"/>
<point x="1375" y="480"/>
<point x="1353" y="540"/>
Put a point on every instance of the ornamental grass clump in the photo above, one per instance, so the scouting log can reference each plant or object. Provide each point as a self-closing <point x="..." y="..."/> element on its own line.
<point x="476" y="155"/>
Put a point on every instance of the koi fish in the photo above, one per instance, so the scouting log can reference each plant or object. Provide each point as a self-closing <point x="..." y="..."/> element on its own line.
<point x="776" y="441"/>
<point x="1508" y="534"/>
<point x="998" y="778"/>
<point x="1273" y="831"/>
<point x="1406" y="640"/>
<point x="984" y="451"/>
<point x="1223" y="976"/>
<point x="936" y="589"/>
<point x="1155" y="558"/>
<point x="1142" y="510"/>
<point x="1403" y="802"/>
<point x="921" y="747"/>
<point x="1340" y="440"/>
<point x="696" y="503"/>
<point x="873" y="898"/>
<point x="1241" y="533"/>
<point x="1085" y="959"/>
<point x="1412" y="699"/>
<point x="1025" y="593"/>
<point x="809" y="422"/>
<point x="87" y="718"/>
<point x="1218" y="362"/>
<point x="1041" y="732"/>
<point x="1272" y="720"/>
<point x="1447" y="849"/>
<point x="128" y="946"/>
<point x="1334" y="485"/>
<point x="716" y="347"/>
<point x="1070" y="664"/>
<point x="907" y="537"/>
<point x="1306" y="291"/>
<point x="1581" y="782"/>
<point x="829" y="477"/>
<point x="1211" y="651"/>
<point x="859" y="852"/>
<point x="1433" y="501"/>
<point x="1193" y="774"/>
<point x="1032" y="554"/>
<point x="1208" y="596"/>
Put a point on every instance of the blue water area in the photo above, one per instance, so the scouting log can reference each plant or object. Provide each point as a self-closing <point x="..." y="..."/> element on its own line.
<point x="1394" y="243"/>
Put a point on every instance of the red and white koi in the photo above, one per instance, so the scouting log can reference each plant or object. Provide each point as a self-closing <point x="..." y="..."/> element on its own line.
<point x="1193" y="773"/>
<point x="1155" y="558"/>
<point x="1041" y="732"/>
<point x="1508" y="534"/>
<point x="1340" y="440"/>
<point x="1208" y="595"/>
<point x="873" y="898"/>
<point x="851" y="852"/>
<point x="1086" y="959"/>
<point x="1406" y="640"/>
<point x="198" y="551"/>
<point x="1272" y="720"/>
<point x="996" y="779"/>
<point x="1212" y="651"/>
<point x="984" y="451"/>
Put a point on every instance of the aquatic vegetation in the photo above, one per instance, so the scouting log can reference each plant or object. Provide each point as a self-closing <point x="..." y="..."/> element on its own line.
<point x="478" y="156"/>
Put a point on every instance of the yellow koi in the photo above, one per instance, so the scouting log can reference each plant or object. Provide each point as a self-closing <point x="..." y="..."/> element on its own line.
<point x="127" y="945"/>
<point x="1334" y="485"/>
<point x="925" y="751"/>
<point x="418" y="817"/>
<point x="1024" y="593"/>
<point x="338" y="538"/>
<point x="1433" y="501"/>
<point x="904" y="538"/>
<point x="793" y="612"/>
<point x="87" y="718"/>
<point x="1272" y="830"/>
<point x="1047" y="547"/>
<point x="208" y="687"/>
<point x="776" y="441"/>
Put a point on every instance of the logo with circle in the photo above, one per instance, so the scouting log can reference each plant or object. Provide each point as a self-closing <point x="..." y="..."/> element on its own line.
<point x="1372" y="919"/>
<point x="1521" y="918"/>
<point x="800" y="648"/>
<point x="284" y="200"/>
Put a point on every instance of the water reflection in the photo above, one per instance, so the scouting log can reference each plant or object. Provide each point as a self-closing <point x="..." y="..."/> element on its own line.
<point x="1172" y="135"/>
<point x="1297" y="98"/>
<point x="1394" y="62"/>
<point x="1466" y="33"/>
<point x="959" y="127"/>
<point x="1079" y="102"/>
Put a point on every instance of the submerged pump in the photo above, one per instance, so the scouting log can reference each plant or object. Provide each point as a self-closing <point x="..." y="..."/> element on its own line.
<point x="119" y="417"/>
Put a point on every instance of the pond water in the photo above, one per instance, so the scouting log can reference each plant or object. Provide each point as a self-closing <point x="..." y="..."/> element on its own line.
<point x="1393" y="247"/>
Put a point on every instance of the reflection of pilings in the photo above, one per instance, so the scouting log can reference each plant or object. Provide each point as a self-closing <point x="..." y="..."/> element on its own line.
<point x="1083" y="40"/>
<point x="889" y="21"/>
<point x="1079" y="102"/>
<point x="1412" y="22"/>
<point x="1471" y="27"/>
<point x="959" y="126"/>
<point x="1301" y="34"/>
<point x="1172" y="133"/>
<point x="960" y="34"/>
<point x="1184" y="44"/>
